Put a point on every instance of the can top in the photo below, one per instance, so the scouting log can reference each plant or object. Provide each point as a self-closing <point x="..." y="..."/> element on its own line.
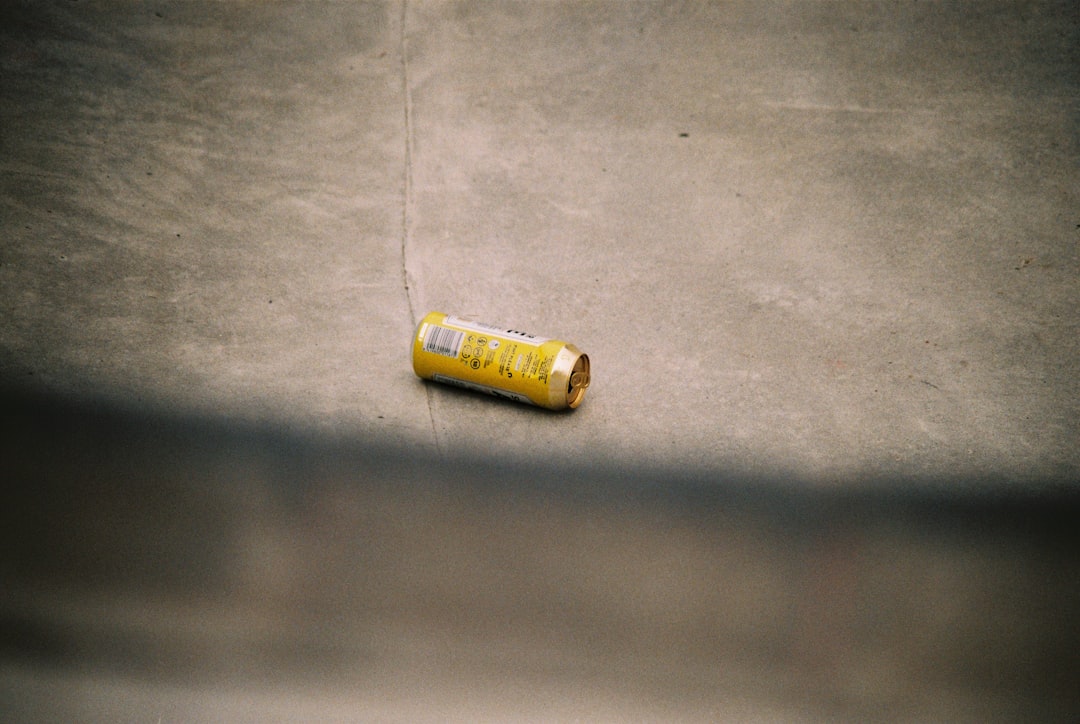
<point x="579" y="381"/>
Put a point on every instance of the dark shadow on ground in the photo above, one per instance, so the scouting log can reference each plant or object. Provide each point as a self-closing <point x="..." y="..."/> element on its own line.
<point x="154" y="547"/>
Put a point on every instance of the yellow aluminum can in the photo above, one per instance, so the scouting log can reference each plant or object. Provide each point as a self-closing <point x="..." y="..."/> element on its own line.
<point x="500" y="361"/>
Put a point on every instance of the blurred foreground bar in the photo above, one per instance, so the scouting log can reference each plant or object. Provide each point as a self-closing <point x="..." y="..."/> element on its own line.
<point x="162" y="568"/>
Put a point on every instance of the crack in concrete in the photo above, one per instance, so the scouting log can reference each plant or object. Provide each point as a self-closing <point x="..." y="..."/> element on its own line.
<point x="407" y="182"/>
<point x="406" y="203"/>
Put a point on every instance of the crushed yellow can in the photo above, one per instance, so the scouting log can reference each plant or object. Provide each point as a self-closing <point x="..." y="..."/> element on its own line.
<point x="500" y="361"/>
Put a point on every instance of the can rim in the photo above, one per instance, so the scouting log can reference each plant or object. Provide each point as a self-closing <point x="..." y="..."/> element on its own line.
<point x="578" y="382"/>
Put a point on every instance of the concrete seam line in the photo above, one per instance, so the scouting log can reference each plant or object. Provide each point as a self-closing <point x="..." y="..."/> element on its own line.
<point x="406" y="219"/>
<point x="406" y="202"/>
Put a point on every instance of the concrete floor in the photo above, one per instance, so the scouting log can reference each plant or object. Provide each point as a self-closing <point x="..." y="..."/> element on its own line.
<point x="824" y="257"/>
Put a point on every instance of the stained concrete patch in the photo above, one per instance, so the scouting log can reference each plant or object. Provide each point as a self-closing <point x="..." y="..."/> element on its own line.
<point x="203" y="207"/>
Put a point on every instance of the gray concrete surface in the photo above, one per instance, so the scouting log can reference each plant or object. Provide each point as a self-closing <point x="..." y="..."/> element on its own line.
<point x="829" y="238"/>
<point x="816" y="246"/>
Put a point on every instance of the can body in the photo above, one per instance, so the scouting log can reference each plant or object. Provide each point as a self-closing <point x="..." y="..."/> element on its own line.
<point x="500" y="361"/>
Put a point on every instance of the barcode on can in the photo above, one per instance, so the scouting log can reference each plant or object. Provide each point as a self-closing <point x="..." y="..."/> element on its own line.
<point x="443" y="340"/>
